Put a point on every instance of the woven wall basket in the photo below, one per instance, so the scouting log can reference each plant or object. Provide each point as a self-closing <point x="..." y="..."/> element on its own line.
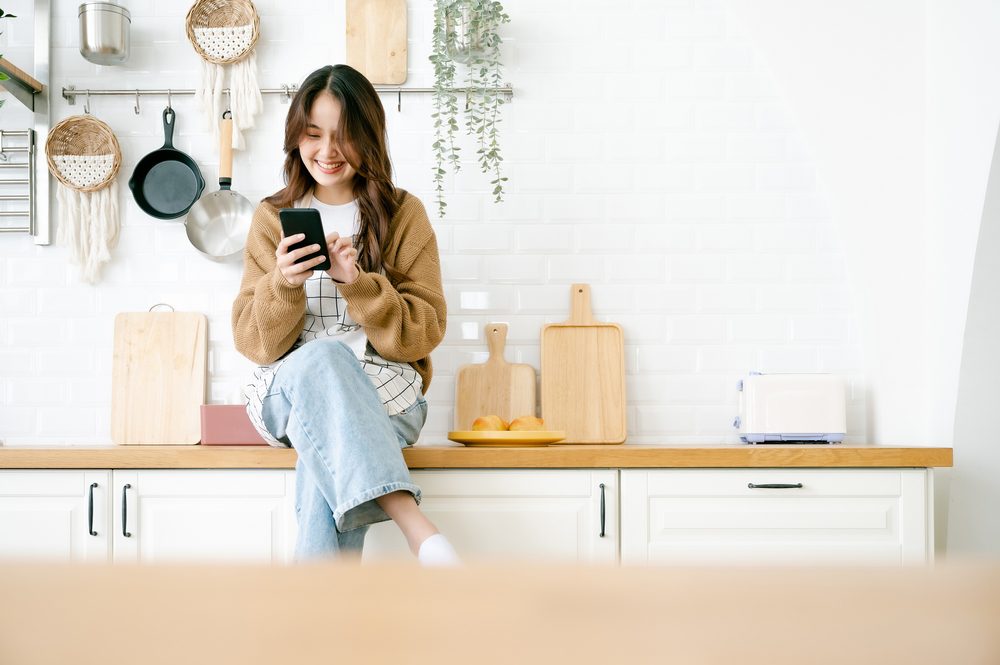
<point x="83" y="153"/>
<point x="223" y="31"/>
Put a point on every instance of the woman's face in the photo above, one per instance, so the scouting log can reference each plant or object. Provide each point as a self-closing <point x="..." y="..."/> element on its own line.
<point x="323" y="159"/>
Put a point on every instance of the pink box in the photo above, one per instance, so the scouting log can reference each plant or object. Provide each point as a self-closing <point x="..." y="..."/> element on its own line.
<point x="228" y="425"/>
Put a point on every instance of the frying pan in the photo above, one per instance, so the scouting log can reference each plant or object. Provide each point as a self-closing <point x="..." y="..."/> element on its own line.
<point x="219" y="222"/>
<point x="166" y="182"/>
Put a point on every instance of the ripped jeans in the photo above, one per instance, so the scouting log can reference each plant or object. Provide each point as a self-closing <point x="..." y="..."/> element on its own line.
<point x="349" y="450"/>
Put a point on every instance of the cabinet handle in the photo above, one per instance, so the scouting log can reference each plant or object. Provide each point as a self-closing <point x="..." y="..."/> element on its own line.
<point x="90" y="510"/>
<point x="125" y="512"/>
<point x="602" y="511"/>
<point x="775" y="486"/>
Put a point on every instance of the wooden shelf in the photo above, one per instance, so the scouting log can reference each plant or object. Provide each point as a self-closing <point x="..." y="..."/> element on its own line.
<point x="22" y="85"/>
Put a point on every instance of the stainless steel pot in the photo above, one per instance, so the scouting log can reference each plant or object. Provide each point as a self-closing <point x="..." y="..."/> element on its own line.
<point x="105" y="33"/>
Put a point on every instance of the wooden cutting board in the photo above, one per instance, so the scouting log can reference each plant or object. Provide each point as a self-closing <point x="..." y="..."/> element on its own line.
<point x="376" y="39"/>
<point x="494" y="387"/>
<point x="158" y="377"/>
<point x="583" y="375"/>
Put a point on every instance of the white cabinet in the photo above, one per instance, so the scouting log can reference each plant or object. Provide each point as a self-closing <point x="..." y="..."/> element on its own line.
<point x="203" y="515"/>
<point x="799" y="516"/>
<point x="565" y="515"/>
<point x="55" y="515"/>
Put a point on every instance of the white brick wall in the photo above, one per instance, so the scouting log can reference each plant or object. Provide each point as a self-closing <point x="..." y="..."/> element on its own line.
<point x="649" y="154"/>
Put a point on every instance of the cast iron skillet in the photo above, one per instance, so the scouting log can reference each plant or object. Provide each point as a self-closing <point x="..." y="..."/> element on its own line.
<point x="166" y="182"/>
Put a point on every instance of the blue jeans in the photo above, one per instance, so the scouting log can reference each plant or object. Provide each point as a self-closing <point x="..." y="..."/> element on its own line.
<point x="349" y="450"/>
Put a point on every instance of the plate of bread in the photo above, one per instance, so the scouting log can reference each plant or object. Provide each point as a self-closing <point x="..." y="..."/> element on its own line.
<point x="492" y="430"/>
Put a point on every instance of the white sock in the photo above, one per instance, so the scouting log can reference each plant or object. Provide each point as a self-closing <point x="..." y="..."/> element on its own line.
<point x="437" y="551"/>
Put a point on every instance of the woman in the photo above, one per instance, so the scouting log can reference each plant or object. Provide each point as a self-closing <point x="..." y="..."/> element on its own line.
<point x="344" y="353"/>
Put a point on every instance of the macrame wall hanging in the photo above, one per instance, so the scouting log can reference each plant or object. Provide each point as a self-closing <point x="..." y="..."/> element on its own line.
<point x="84" y="156"/>
<point x="224" y="32"/>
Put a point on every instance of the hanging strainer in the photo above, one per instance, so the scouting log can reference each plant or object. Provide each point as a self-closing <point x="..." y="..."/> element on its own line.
<point x="83" y="153"/>
<point x="223" y="31"/>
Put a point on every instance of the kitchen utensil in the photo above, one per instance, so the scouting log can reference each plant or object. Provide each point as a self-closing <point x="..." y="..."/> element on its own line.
<point x="158" y="377"/>
<point x="376" y="39"/>
<point x="84" y="156"/>
<point x="583" y="375"/>
<point x="104" y="33"/>
<point x="224" y="34"/>
<point x="506" y="439"/>
<point x="494" y="387"/>
<point x="218" y="223"/>
<point x="166" y="182"/>
<point x="228" y="425"/>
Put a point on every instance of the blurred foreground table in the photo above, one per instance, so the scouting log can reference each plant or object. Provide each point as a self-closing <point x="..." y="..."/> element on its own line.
<point x="348" y="613"/>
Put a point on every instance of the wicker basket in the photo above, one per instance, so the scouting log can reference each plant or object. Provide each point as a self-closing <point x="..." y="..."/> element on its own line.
<point x="83" y="153"/>
<point x="213" y="15"/>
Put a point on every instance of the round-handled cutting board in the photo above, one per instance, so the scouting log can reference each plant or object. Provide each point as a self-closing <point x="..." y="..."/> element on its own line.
<point x="494" y="387"/>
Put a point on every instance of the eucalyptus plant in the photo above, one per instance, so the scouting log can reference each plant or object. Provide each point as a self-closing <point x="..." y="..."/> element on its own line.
<point x="466" y="33"/>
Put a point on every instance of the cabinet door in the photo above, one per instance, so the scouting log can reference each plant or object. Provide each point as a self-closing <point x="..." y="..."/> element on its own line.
<point x="59" y="515"/>
<point x="201" y="515"/>
<point x="545" y="515"/>
<point x="847" y="516"/>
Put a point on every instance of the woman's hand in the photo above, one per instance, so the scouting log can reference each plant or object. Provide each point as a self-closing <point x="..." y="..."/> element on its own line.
<point x="296" y="273"/>
<point x="343" y="258"/>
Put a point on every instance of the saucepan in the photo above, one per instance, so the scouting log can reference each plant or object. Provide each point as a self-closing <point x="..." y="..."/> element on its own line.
<point x="218" y="223"/>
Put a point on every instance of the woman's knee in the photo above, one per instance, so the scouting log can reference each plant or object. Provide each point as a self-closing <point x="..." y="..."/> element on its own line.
<point x="321" y="355"/>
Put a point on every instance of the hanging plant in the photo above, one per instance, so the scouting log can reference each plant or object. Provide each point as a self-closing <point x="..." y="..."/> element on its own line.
<point x="466" y="33"/>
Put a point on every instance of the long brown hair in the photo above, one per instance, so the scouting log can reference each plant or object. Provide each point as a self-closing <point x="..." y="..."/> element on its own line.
<point x="361" y="137"/>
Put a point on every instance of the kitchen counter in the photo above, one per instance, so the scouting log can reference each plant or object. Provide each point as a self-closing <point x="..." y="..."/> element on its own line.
<point x="461" y="457"/>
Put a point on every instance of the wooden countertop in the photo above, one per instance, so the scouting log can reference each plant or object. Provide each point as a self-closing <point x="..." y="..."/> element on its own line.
<point x="458" y="456"/>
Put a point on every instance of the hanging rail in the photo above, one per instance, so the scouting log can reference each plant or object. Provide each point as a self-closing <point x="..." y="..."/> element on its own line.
<point x="70" y="93"/>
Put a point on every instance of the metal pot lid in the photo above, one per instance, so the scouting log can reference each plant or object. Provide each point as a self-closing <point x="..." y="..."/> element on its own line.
<point x="104" y="7"/>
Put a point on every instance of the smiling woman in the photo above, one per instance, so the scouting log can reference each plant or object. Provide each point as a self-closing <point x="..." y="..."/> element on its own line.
<point x="344" y="352"/>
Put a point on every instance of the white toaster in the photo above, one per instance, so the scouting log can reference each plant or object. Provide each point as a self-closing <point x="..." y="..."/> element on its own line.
<point x="792" y="407"/>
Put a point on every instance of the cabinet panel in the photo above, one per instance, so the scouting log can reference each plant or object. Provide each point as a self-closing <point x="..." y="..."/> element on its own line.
<point x="201" y="515"/>
<point x="534" y="514"/>
<point x="44" y="515"/>
<point x="713" y="516"/>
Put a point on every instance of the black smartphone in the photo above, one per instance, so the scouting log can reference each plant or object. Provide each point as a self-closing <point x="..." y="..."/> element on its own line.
<point x="307" y="221"/>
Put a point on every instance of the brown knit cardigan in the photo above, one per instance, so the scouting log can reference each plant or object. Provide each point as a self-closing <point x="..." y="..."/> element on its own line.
<point x="404" y="321"/>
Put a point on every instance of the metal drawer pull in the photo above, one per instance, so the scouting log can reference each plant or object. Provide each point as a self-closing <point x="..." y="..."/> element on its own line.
<point x="775" y="486"/>
<point x="90" y="511"/>
<point x="602" y="510"/>
<point x="125" y="512"/>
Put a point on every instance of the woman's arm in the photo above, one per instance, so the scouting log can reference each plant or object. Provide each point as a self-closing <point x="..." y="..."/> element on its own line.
<point x="269" y="312"/>
<point x="406" y="321"/>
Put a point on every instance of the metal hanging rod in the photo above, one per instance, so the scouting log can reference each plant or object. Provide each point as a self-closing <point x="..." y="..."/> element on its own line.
<point x="70" y="93"/>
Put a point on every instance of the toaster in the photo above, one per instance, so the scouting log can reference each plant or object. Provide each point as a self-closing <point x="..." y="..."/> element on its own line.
<point x="792" y="407"/>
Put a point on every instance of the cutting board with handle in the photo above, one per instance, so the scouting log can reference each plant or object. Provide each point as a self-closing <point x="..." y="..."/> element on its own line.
<point x="494" y="387"/>
<point x="158" y="377"/>
<point x="376" y="39"/>
<point x="583" y="375"/>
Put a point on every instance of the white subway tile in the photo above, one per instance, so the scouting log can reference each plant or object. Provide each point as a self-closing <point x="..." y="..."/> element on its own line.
<point x="790" y="359"/>
<point x="17" y="361"/>
<point x="581" y="268"/>
<point x="457" y="268"/>
<point x="611" y="237"/>
<point x="673" y="358"/>
<point x="754" y="269"/>
<point x="727" y="298"/>
<point x="479" y="238"/>
<point x="694" y="206"/>
<point x="699" y="329"/>
<point x="515" y="269"/>
<point x="784" y="237"/>
<point x="655" y="420"/>
<point x="750" y="86"/>
<point x="665" y="298"/>
<point x="576" y="208"/>
<point x="64" y="420"/>
<point x="775" y="328"/>
<point x="725" y="237"/>
<point x="631" y="268"/>
<point x="664" y="178"/>
<point x="819" y="329"/>
<point x="17" y="422"/>
<point x="696" y="268"/>
<point x="752" y="147"/>
<point x="544" y="238"/>
<point x="693" y="147"/>
<point x="755" y="206"/>
<point x="683" y="24"/>
<point x="18" y="302"/>
<point x="724" y="178"/>
<point x="598" y="177"/>
<point x="785" y="178"/>
<point x="788" y="298"/>
<point x="729" y="359"/>
<point x="712" y="116"/>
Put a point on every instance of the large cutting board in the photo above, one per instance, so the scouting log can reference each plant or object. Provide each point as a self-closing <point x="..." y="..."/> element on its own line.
<point x="376" y="39"/>
<point x="583" y="375"/>
<point x="158" y="377"/>
<point x="494" y="387"/>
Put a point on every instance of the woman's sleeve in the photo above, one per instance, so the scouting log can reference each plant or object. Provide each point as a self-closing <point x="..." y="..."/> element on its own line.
<point x="269" y="312"/>
<point x="406" y="321"/>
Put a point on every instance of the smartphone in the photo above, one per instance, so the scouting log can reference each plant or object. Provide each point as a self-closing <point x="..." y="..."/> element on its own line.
<point x="307" y="221"/>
